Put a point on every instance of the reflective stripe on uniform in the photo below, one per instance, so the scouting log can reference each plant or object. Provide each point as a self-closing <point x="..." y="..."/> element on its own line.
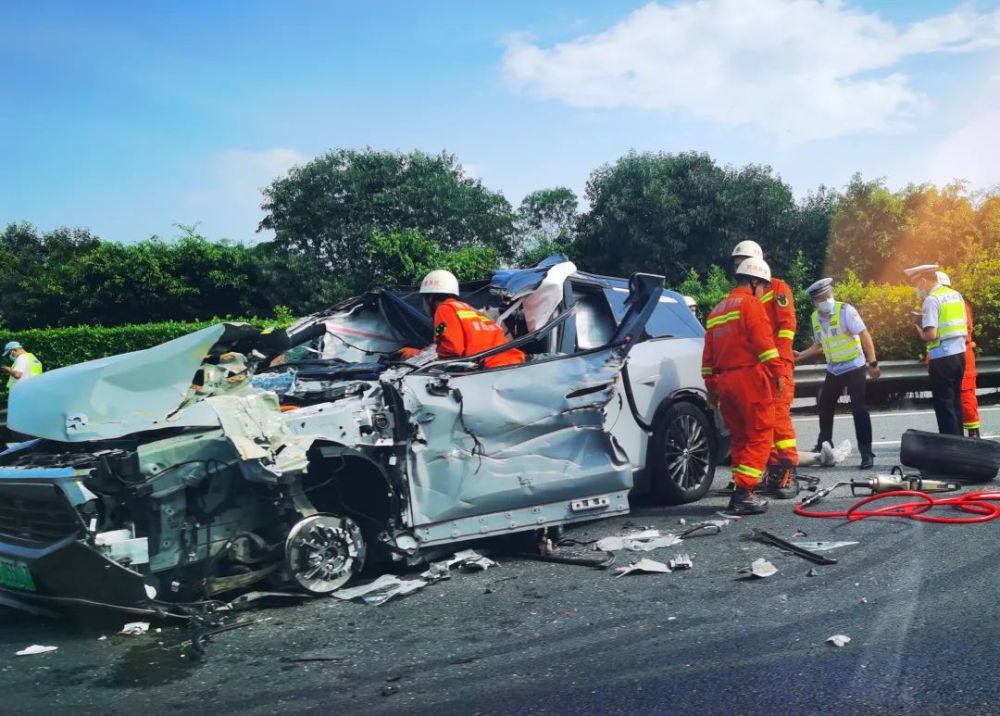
<point x="784" y="444"/>
<point x="768" y="355"/>
<point x="722" y="318"/>
<point x="767" y="297"/>
<point x="971" y="426"/>
<point x="706" y="370"/>
<point x="747" y="470"/>
<point x="952" y="321"/>
<point x="785" y="333"/>
<point x="837" y="347"/>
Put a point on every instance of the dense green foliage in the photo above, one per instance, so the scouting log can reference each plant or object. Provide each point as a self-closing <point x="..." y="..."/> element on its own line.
<point x="331" y="207"/>
<point x="351" y="219"/>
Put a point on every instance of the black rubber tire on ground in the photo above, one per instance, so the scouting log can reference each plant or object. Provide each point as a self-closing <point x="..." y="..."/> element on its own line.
<point x="958" y="458"/>
<point x="682" y="454"/>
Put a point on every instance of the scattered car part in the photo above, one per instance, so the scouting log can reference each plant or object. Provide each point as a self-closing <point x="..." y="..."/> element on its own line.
<point x="35" y="649"/>
<point x="644" y="541"/>
<point x="596" y="562"/>
<point x="681" y="562"/>
<point x="838" y="640"/>
<point x="643" y="566"/>
<point x="822" y="546"/>
<point x="952" y="457"/>
<point x="771" y="538"/>
<point x="759" y="569"/>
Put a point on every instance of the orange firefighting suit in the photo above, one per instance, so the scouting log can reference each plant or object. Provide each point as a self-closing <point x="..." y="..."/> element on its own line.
<point x="780" y="308"/>
<point x="970" y="405"/>
<point x="460" y="330"/>
<point x="740" y="364"/>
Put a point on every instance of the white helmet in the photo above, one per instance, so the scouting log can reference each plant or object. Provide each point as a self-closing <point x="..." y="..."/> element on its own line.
<point x="748" y="249"/>
<point x="755" y="268"/>
<point x="690" y="302"/>
<point x="943" y="278"/>
<point x="440" y="281"/>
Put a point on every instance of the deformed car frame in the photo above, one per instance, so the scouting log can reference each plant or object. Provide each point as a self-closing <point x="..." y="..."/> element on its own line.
<point x="174" y="474"/>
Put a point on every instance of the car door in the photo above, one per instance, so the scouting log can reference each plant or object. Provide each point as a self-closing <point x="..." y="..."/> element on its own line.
<point x="521" y="436"/>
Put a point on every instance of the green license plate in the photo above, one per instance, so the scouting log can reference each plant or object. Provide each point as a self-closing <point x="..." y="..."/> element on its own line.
<point x="16" y="575"/>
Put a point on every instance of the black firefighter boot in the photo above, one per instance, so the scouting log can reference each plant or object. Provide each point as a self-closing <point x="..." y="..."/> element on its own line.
<point x="973" y="432"/>
<point x="779" y="481"/>
<point x="745" y="502"/>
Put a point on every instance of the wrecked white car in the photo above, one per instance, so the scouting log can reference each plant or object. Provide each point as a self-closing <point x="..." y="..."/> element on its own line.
<point x="234" y="456"/>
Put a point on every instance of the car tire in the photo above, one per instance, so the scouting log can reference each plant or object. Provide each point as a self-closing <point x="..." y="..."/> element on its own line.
<point x="682" y="454"/>
<point x="957" y="458"/>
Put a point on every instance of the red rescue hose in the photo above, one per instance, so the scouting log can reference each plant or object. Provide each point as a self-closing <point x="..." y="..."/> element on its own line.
<point x="981" y="506"/>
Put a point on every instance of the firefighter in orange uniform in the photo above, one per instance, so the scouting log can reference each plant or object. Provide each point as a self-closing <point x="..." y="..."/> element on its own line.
<point x="970" y="404"/>
<point x="779" y="480"/>
<point x="459" y="329"/>
<point x="741" y="367"/>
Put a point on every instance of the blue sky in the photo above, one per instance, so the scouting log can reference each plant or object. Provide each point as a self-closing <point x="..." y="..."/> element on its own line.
<point x="127" y="117"/>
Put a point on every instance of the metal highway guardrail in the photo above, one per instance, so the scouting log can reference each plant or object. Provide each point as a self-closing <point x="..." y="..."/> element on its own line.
<point x="898" y="376"/>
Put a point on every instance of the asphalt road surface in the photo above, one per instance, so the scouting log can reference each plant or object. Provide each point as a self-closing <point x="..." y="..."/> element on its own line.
<point x="917" y="601"/>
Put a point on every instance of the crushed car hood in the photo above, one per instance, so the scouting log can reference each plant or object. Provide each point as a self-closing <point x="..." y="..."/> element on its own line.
<point x="124" y="394"/>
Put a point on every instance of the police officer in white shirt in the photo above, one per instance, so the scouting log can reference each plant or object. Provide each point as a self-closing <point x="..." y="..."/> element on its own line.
<point x="841" y="335"/>
<point x="943" y="327"/>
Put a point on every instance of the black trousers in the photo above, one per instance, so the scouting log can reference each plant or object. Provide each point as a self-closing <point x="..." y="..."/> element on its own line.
<point x="946" y="392"/>
<point x="833" y="387"/>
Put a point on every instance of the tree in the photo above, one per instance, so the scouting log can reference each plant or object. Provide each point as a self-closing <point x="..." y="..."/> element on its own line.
<point x="546" y="224"/>
<point x="402" y="258"/>
<point x="865" y="229"/>
<point x="331" y="208"/>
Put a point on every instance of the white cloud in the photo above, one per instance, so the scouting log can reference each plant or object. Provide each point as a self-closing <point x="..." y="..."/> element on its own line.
<point x="227" y="202"/>
<point x="796" y="69"/>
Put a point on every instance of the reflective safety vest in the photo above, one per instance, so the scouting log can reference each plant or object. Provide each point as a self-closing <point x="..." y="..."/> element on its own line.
<point x="34" y="365"/>
<point x="837" y="347"/>
<point x="952" y="320"/>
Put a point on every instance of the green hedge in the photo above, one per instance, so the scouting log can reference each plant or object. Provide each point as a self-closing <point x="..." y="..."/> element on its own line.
<point x="884" y="307"/>
<point x="58" y="347"/>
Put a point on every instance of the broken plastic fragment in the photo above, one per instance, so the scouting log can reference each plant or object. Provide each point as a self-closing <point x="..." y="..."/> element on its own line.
<point x="647" y="566"/>
<point x="760" y="568"/>
<point x="822" y="546"/>
<point x="135" y="628"/>
<point x="35" y="649"/>
<point x="839" y="640"/>
<point x="381" y="590"/>
<point x="681" y="561"/>
<point x="644" y="541"/>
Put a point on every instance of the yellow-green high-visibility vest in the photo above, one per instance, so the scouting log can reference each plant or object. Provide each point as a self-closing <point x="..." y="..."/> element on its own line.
<point x="951" y="315"/>
<point x="34" y="365"/>
<point x="837" y="347"/>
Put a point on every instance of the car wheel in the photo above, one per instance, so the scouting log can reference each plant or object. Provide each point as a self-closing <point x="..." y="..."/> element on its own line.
<point x="952" y="456"/>
<point x="682" y="454"/>
<point x="322" y="552"/>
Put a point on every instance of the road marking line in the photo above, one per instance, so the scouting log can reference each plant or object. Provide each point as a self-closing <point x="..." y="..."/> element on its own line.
<point x="890" y="415"/>
<point x="897" y="442"/>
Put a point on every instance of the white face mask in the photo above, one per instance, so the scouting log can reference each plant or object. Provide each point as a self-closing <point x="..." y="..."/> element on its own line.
<point x="826" y="307"/>
<point x="921" y="294"/>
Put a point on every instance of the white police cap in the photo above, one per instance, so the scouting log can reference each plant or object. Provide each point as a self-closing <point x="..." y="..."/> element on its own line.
<point x="821" y="288"/>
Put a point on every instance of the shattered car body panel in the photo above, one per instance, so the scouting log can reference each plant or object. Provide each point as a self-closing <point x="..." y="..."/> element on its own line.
<point x="232" y="456"/>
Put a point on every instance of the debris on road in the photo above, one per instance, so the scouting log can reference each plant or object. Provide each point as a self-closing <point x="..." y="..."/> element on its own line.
<point x="381" y="590"/>
<point x="760" y="569"/>
<point x="135" y="628"/>
<point x="812" y="573"/>
<point x="643" y="566"/>
<point x="839" y="640"/>
<point x="707" y="527"/>
<point x="35" y="649"/>
<point x="680" y="562"/>
<point x="644" y="541"/>
<point x="771" y="538"/>
<point x="822" y="546"/>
